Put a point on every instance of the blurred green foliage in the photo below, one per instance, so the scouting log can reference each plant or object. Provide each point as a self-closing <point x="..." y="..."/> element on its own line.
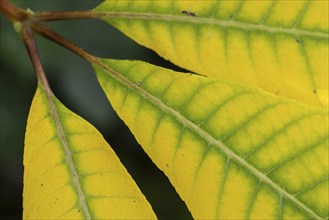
<point x="74" y="83"/>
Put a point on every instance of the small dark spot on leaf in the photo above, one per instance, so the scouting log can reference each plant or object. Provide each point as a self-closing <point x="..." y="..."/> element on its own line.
<point x="188" y="13"/>
<point x="167" y="165"/>
<point x="277" y="92"/>
<point x="78" y="210"/>
<point x="298" y="41"/>
<point x="134" y="201"/>
<point x="231" y="16"/>
<point x="314" y="91"/>
<point x="41" y="185"/>
<point x="139" y="83"/>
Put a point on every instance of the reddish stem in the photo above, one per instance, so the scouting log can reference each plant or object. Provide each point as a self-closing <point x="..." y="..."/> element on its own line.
<point x="33" y="53"/>
<point x="54" y="16"/>
<point x="12" y="12"/>
<point x="48" y="33"/>
<point x="31" y="22"/>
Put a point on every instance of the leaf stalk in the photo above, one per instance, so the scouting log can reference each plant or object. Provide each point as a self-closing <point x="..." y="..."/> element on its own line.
<point x="31" y="47"/>
<point x="12" y="12"/>
<point x="25" y="22"/>
<point x="48" y="33"/>
<point x="65" y="15"/>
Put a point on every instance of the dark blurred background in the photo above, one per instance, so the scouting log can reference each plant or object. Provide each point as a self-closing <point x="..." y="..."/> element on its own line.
<point x="74" y="83"/>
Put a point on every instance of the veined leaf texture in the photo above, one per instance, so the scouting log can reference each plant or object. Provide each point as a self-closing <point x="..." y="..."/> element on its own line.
<point x="279" y="46"/>
<point x="70" y="172"/>
<point x="248" y="139"/>
<point x="231" y="151"/>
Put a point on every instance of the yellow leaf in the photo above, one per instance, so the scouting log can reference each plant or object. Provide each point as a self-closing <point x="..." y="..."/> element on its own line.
<point x="279" y="46"/>
<point x="231" y="151"/>
<point x="70" y="172"/>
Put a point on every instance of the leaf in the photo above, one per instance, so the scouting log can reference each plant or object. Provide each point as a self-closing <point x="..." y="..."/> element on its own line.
<point x="71" y="172"/>
<point x="279" y="46"/>
<point x="231" y="151"/>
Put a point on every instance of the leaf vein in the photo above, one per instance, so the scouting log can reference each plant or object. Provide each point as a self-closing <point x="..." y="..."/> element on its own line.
<point x="204" y="134"/>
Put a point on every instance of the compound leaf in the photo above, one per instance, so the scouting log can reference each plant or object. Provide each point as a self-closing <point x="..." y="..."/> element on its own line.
<point x="70" y="172"/>
<point x="279" y="46"/>
<point x="231" y="151"/>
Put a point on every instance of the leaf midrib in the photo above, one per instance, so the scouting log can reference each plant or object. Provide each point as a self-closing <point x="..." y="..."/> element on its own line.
<point x="67" y="151"/>
<point x="203" y="134"/>
<point x="219" y="22"/>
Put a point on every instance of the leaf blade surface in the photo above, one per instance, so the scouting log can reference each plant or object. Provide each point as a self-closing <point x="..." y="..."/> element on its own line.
<point x="225" y="147"/>
<point x="280" y="46"/>
<point x="70" y="172"/>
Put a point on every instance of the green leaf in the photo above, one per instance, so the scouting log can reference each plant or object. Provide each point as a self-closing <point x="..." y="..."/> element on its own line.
<point x="231" y="151"/>
<point x="279" y="46"/>
<point x="70" y="172"/>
